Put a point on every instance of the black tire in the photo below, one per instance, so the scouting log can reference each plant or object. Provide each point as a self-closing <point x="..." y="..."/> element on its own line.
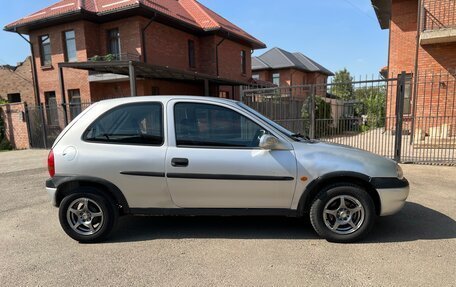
<point x="327" y="212"/>
<point x="101" y="226"/>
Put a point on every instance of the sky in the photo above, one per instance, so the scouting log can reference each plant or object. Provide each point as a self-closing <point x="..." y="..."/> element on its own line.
<point x="336" y="33"/>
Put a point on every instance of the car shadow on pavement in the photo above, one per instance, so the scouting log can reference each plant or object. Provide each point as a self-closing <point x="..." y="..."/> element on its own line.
<point x="414" y="222"/>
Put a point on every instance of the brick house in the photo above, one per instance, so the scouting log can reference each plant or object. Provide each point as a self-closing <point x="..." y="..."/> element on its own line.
<point x="16" y="84"/>
<point x="422" y="42"/>
<point x="174" y="47"/>
<point x="285" y="69"/>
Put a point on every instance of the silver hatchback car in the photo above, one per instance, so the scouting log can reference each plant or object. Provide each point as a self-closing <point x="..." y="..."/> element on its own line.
<point x="183" y="155"/>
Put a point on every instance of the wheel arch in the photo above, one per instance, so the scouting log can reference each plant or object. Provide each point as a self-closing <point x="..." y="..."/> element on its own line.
<point x="317" y="184"/>
<point x="66" y="184"/>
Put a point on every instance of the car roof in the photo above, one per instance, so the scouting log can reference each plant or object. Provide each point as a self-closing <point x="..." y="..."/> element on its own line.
<point x="165" y="99"/>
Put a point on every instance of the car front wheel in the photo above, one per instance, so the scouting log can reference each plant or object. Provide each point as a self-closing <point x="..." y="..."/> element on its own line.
<point x="87" y="217"/>
<point x="343" y="213"/>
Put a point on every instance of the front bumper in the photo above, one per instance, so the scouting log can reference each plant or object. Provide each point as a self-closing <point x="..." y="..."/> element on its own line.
<point x="393" y="194"/>
<point x="51" y="190"/>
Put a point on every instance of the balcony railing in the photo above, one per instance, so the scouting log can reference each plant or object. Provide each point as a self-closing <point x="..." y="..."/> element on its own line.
<point x="116" y="57"/>
<point x="438" y="14"/>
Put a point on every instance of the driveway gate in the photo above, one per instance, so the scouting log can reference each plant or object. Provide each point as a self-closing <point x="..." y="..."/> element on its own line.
<point x="404" y="118"/>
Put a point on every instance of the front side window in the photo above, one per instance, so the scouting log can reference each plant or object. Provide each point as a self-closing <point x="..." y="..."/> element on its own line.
<point x="70" y="46"/>
<point x="45" y="50"/>
<point x="137" y="124"/>
<point x="206" y="125"/>
<point x="114" y="43"/>
<point x="276" y="79"/>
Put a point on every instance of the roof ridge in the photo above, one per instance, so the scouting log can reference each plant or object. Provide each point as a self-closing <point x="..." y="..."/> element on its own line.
<point x="281" y="51"/>
<point x="259" y="59"/>
<point x="196" y="5"/>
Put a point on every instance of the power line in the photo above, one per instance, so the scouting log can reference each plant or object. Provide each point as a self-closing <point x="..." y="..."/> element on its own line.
<point x="15" y="74"/>
<point x="360" y="10"/>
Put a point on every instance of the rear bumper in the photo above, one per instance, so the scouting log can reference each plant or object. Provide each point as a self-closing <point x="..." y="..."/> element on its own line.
<point x="51" y="190"/>
<point x="393" y="194"/>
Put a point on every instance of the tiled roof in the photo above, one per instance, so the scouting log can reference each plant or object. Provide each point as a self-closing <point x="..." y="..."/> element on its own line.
<point x="189" y="12"/>
<point x="277" y="58"/>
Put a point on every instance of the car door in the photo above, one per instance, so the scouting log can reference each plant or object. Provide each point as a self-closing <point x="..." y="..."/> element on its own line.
<point x="214" y="160"/>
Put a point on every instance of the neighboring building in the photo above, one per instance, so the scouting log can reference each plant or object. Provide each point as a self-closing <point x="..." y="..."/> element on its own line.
<point x="285" y="69"/>
<point x="16" y="84"/>
<point x="423" y="44"/>
<point x="174" y="46"/>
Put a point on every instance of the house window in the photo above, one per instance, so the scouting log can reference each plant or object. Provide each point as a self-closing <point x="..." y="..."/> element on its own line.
<point x="114" y="43"/>
<point x="45" y="51"/>
<point x="51" y="109"/>
<point x="70" y="46"/>
<point x="276" y="79"/>
<point x="14" y="98"/>
<point x="191" y="54"/>
<point x="256" y="76"/>
<point x="74" y="97"/>
<point x="408" y="95"/>
<point x="243" y="62"/>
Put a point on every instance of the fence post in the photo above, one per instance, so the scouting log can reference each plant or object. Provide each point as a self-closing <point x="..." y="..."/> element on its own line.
<point x="43" y="125"/>
<point x="312" y="112"/>
<point x="399" y="116"/>
<point x="27" y="122"/>
<point x="241" y="94"/>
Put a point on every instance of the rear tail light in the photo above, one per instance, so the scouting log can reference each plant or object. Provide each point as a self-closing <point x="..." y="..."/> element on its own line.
<point x="51" y="164"/>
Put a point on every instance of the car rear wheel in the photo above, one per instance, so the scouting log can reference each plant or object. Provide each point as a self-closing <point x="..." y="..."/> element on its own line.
<point x="86" y="216"/>
<point x="343" y="213"/>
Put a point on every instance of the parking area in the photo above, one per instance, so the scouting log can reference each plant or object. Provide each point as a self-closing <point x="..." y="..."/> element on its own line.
<point x="416" y="247"/>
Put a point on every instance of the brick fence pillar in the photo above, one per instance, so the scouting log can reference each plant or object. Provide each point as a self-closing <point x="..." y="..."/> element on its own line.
<point x="13" y="116"/>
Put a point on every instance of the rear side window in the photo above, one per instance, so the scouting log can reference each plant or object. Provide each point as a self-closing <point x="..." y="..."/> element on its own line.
<point x="138" y="124"/>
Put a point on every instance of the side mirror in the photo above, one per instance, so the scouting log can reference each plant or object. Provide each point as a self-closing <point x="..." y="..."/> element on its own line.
<point x="268" y="142"/>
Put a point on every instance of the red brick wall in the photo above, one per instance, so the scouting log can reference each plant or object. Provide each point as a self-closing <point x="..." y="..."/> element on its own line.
<point x="48" y="76"/>
<point x="15" y="125"/>
<point x="18" y="80"/>
<point x="403" y="31"/>
<point x="436" y="93"/>
<point x="230" y="60"/>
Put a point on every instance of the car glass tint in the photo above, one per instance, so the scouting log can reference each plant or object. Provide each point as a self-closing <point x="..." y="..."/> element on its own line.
<point x="214" y="126"/>
<point x="129" y="124"/>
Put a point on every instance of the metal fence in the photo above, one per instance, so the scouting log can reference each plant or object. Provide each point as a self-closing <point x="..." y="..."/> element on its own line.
<point x="405" y="118"/>
<point x="438" y="14"/>
<point x="46" y="122"/>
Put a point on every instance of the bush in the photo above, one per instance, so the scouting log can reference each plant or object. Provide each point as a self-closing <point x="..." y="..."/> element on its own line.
<point x="4" y="143"/>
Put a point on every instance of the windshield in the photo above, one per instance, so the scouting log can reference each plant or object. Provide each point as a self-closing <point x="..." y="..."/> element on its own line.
<point x="281" y="129"/>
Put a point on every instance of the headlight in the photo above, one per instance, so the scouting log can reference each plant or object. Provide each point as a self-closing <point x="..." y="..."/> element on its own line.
<point x="400" y="173"/>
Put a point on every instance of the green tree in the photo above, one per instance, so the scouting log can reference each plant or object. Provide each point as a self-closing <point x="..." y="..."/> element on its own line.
<point x="373" y="104"/>
<point x="342" y="85"/>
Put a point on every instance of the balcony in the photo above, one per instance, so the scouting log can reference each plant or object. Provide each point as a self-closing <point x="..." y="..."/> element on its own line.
<point x="438" y="22"/>
<point x="110" y="77"/>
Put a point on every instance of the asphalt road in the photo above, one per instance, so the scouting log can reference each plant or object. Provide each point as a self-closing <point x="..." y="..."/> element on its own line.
<point x="416" y="247"/>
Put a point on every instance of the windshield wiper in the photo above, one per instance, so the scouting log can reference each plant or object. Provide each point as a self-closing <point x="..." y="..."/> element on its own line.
<point x="298" y="135"/>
